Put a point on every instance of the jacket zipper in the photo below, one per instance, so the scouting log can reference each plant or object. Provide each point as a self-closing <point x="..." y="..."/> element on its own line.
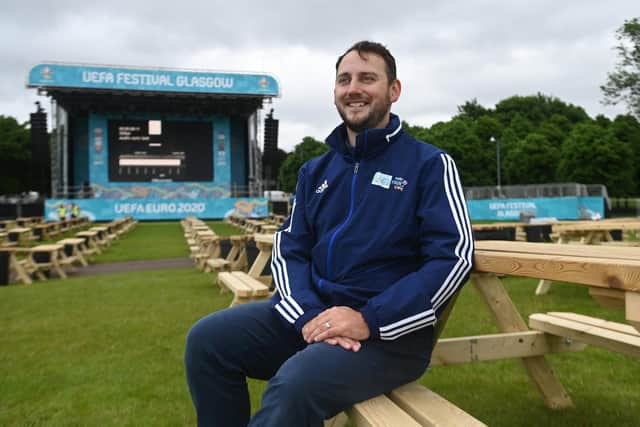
<point x="335" y="233"/>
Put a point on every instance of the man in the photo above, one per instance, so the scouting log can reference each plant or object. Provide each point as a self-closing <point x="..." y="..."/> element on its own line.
<point x="377" y="243"/>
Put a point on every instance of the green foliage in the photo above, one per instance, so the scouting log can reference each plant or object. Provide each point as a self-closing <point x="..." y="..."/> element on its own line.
<point x="592" y="155"/>
<point x="532" y="160"/>
<point x="15" y="156"/>
<point x="472" y="110"/>
<point x="306" y="150"/>
<point x="623" y="84"/>
<point x="473" y="155"/>
<point x="537" y="108"/>
<point x="533" y="133"/>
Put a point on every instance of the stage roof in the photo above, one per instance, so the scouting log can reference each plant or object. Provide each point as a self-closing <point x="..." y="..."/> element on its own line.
<point x="88" y="78"/>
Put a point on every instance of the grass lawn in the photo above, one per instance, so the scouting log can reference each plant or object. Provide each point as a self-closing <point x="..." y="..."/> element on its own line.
<point x="107" y="350"/>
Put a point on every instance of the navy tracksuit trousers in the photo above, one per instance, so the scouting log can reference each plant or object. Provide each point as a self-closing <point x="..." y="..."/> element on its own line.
<point x="307" y="382"/>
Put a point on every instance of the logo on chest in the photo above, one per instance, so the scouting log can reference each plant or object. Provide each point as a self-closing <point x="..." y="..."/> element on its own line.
<point x="388" y="181"/>
<point x="322" y="187"/>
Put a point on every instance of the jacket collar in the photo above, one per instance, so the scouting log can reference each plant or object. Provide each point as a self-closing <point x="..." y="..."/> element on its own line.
<point x="369" y="143"/>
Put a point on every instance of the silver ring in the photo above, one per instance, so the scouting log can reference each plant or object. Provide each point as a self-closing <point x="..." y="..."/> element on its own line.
<point x="327" y="325"/>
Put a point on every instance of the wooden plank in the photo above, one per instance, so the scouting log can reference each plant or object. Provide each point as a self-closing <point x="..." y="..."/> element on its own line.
<point x="482" y="348"/>
<point x="339" y="420"/>
<point x="630" y="253"/>
<point x="611" y="340"/>
<point x="509" y="320"/>
<point x="258" y="288"/>
<point x="599" y="226"/>
<point x="632" y="309"/>
<point x="597" y="322"/>
<point x="380" y="411"/>
<point x="430" y="409"/>
<point x="608" y="273"/>
<point x="235" y="285"/>
<point x="608" y="298"/>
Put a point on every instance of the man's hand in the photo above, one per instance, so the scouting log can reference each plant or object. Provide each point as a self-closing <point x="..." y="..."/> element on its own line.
<point x="341" y="326"/>
<point x="344" y="342"/>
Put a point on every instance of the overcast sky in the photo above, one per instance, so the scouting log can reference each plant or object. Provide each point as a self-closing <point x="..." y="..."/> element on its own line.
<point x="447" y="52"/>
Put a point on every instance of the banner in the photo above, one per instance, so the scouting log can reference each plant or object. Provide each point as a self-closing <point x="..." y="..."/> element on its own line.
<point x="550" y="207"/>
<point x="151" y="79"/>
<point x="160" y="209"/>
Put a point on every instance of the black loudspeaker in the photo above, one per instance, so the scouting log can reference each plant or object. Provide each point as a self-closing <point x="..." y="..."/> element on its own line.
<point x="270" y="156"/>
<point x="40" y="156"/>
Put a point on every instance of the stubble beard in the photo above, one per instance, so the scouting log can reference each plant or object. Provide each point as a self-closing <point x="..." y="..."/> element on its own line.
<point x="371" y="120"/>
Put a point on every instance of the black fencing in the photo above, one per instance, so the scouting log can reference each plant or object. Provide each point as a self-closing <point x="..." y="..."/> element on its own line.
<point x="12" y="208"/>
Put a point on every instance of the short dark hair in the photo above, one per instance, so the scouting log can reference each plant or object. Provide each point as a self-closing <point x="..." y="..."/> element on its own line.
<point x="365" y="46"/>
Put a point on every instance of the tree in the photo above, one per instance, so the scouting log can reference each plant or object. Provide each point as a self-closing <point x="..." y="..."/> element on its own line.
<point x="472" y="110"/>
<point x="474" y="157"/>
<point x="592" y="155"/>
<point x="623" y="85"/>
<point x="15" y="156"/>
<point x="537" y="108"/>
<point x="626" y="129"/>
<point x="533" y="160"/>
<point x="306" y="150"/>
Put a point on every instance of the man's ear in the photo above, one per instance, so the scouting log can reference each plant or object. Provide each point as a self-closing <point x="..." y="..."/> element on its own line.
<point x="394" y="90"/>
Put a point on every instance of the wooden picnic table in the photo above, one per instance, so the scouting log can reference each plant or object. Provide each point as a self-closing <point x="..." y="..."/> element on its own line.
<point x="20" y="235"/>
<point x="73" y="251"/>
<point x="103" y="235"/>
<point x="47" y="257"/>
<point x="592" y="232"/>
<point x="91" y="241"/>
<point x="29" y="221"/>
<point x="44" y="230"/>
<point x="18" y="268"/>
<point x="617" y="269"/>
<point x="587" y="233"/>
<point x="7" y="224"/>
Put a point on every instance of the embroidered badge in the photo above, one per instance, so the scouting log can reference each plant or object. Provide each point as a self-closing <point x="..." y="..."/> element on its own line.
<point x="381" y="180"/>
<point x="322" y="187"/>
<point x="399" y="183"/>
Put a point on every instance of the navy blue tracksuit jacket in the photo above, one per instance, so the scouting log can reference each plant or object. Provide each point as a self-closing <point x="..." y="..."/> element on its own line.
<point x="382" y="228"/>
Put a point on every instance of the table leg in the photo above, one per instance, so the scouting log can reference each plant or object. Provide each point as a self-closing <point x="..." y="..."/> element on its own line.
<point x="632" y="308"/>
<point x="56" y="266"/>
<point x="15" y="266"/>
<point x="508" y="319"/>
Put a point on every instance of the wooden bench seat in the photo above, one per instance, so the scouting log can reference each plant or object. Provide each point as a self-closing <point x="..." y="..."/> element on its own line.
<point x="244" y="287"/>
<point x="410" y="405"/>
<point x="613" y="336"/>
<point x="218" y="264"/>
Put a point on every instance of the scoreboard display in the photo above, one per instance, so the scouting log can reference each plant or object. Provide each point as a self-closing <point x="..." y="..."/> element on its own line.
<point x="160" y="150"/>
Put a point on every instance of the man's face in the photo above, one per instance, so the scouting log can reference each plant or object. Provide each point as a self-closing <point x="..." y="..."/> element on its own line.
<point x="363" y="94"/>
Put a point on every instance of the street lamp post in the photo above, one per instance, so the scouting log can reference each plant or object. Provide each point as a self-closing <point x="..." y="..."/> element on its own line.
<point x="497" y="142"/>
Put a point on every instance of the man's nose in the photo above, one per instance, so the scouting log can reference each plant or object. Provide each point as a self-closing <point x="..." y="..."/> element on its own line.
<point x="354" y="86"/>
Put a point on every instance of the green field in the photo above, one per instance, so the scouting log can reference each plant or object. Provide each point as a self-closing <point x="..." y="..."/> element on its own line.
<point x="107" y="350"/>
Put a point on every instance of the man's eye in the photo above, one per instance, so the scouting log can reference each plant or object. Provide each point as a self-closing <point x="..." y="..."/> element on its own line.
<point x="343" y="80"/>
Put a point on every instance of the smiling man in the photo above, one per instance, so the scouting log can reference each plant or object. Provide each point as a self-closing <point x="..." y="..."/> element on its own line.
<point x="377" y="243"/>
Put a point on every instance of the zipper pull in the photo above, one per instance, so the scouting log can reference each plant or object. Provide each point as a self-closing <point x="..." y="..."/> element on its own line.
<point x="355" y="168"/>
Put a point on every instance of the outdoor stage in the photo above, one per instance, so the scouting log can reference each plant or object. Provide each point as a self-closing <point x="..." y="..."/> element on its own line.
<point x="154" y="143"/>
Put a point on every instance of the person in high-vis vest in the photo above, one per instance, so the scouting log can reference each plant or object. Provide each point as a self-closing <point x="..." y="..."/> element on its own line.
<point x="62" y="212"/>
<point x="75" y="210"/>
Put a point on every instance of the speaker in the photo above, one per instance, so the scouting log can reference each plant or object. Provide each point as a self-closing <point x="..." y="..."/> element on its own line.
<point x="40" y="157"/>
